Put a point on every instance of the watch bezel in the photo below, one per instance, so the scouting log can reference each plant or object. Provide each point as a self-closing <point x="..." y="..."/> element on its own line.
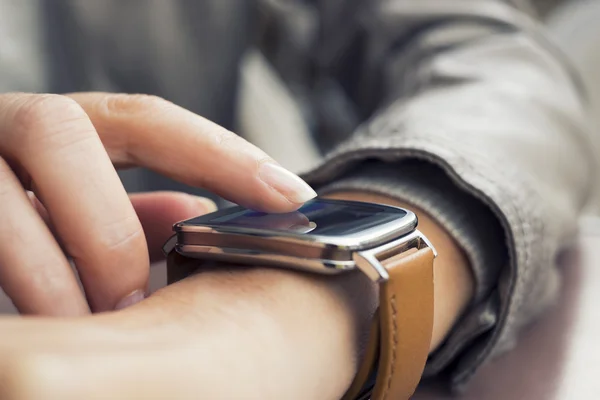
<point x="362" y="240"/>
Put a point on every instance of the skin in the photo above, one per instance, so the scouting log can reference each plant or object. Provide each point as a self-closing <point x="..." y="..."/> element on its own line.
<point x="65" y="150"/>
<point x="272" y="333"/>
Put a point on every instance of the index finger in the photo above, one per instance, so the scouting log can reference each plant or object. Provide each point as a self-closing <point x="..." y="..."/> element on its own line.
<point x="151" y="132"/>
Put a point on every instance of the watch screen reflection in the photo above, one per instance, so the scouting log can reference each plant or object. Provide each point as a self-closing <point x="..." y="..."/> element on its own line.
<point x="318" y="217"/>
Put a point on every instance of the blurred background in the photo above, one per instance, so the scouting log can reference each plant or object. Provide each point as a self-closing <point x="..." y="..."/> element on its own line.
<point x="575" y="27"/>
<point x="266" y="105"/>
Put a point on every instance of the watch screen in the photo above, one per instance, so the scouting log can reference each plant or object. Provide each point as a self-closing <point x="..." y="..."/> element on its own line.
<point x="317" y="217"/>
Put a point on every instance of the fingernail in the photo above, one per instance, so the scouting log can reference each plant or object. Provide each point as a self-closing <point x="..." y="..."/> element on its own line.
<point x="207" y="204"/>
<point x="285" y="182"/>
<point x="130" y="299"/>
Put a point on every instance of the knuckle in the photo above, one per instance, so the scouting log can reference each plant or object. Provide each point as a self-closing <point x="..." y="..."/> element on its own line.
<point x="37" y="111"/>
<point x="48" y="119"/>
<point x="116" y="104"/>
<point x="132" y="109"/>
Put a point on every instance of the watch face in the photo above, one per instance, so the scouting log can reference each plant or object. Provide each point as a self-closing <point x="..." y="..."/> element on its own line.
<point x="325" y="220"/>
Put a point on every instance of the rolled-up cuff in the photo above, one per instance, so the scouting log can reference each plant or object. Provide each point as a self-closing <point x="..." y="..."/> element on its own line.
<point x="471" y="223"/>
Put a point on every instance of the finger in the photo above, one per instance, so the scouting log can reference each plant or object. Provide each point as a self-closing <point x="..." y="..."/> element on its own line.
<point x="43" y="213"/>
<point x="34" y="273"/>
<point x="158" y="211"/>
<point x="151" y="132"/>
<point x="51" y="138"/>
<point x="39" y="207"/>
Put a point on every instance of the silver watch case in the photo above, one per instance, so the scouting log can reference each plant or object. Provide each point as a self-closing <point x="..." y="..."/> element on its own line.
<point x="317" y="254"/>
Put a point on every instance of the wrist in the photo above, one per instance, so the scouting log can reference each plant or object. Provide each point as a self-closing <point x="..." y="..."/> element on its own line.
<point x="311" y="327"/>
<point x="454" y="282"/>
<point x="301" y="333"/>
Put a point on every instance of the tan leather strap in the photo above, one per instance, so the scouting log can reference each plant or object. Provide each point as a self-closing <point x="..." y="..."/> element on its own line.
<point x="406" y="313"/>
<point x="405" y="324"/>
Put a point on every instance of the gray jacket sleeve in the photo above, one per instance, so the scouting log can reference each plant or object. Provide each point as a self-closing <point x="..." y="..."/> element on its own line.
<point x="480" y="121"/>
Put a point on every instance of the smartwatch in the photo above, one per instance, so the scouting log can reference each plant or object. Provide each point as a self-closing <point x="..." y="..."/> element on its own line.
<point x="333" y="237"/>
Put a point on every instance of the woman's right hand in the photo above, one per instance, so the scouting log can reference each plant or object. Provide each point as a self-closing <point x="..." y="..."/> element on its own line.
<point x="64" y="150"/>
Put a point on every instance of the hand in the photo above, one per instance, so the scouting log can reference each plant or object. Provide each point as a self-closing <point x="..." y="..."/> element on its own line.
<point x="224" y="333"/>
<point x="64" y="149"/>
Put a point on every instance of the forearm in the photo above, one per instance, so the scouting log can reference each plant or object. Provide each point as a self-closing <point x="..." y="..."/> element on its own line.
<point x="290" y="335"/>
<point x="319" y="324"/>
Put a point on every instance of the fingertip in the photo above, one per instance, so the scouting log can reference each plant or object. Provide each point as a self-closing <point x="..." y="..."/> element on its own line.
<point x="289" y="185"/>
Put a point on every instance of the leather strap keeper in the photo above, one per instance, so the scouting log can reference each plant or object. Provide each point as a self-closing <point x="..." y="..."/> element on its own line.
<point x="402" y="329"/>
